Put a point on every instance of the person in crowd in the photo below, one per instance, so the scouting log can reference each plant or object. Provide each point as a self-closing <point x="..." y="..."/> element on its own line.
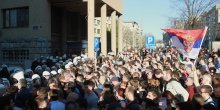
<point x="216" y="96"/>
<point x="197" y="101"/>
<point x="203" y="65"/>
<point x="90" y="96"/>
<point x="216" y="79"/>
<point x="175" y="87"/>
<point x="4" y="72"/>
<point x="152" y="99"/>
<point x="120" y="96"/>
<point x="130" y="80"/>
<point x="132" y="103"/>
<point x="206" y="91"/>
<point x="158" y="73"/>
<point x="206" y="80"/>
<point x="54" y="103"/>
<point x="116" y="83"/>
<point x="171" y="100"/>
<point x="24" y="95"/>
<point x="190" y="88"/>
<point x="41" y="102"/>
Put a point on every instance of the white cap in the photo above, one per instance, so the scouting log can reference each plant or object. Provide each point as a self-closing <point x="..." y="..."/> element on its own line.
<point x="73" y="56"/>
<point x="119" y="62"/>
<point x="4" y="66"/>
<point x="69" y="59"/>
<point x="51" y="57"/>
<point x="2" y="88"/>
<point x="83" y="59"/>
<point x="60" y="58"/>
<point x="5" y="79"/>
<point x="46" y="73"/>
<point x="57" y="57"/>
<point x="35" y="76"/>
<point x="54" y="60"/>
<point x="75" y="61"/>
<point x="111" y="53"/>
<point x="47" y="69"/>
<point x="38" y="67"/>
<point x="18" y="75"/>
<point x="60" y="71"/>
<point x="60" y="61"/>
<point x="29" y="80"/>
<point x="43" y="61"/>
<point x="68" y="65"/>
<point x="44" y="66"/>
<point x="64" y="55"/>
<point x="54" y="67"/>
<point x="6" y="82"/>
<point x="53" y="72"/>
<point x="28" y="71"/>
<point x="17" y="69"/>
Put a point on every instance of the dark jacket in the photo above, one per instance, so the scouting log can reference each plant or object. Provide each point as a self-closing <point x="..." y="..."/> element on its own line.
<point x="22" y="97"/>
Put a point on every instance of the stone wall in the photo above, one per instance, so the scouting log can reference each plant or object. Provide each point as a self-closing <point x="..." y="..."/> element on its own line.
<point x="19" y="53"/>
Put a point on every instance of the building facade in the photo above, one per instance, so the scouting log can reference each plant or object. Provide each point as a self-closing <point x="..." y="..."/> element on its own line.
<point x="98" y="26"/>
<point x="212" y="20"/>
<point x="30" y="29"/>
<point x="133" y="36"/>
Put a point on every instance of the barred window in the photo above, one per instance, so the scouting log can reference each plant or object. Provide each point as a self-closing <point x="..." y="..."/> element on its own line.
<point x="16" y="17"/>
<point x="15" y="55"/>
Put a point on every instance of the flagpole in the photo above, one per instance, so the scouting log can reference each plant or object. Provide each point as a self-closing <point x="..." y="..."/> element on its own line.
<point x="204" y="33"/>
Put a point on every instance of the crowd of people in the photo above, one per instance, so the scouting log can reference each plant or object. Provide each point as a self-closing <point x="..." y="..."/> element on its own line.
<point x="132" y="80"/>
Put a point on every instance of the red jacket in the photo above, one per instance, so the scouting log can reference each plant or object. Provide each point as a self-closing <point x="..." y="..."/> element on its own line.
<point x="191" y="91"/>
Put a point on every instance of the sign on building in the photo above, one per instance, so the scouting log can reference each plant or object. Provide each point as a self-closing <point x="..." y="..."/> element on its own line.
<point x="96" y="44"/>
<point x="150" y="42"/>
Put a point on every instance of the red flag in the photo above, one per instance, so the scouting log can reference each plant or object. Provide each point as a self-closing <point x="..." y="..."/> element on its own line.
<point x="186" y="35"/>
<point x="187" y="42"/>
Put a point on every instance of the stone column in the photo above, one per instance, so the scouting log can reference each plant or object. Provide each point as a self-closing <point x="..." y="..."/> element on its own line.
<point x="91" y="33"/>
<point x="103" y="30"/>
<point x="113" y="31"/>
<point x="120" y="37"/>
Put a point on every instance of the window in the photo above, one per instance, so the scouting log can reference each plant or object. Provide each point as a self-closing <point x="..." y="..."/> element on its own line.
<point x="98" y="31"/>
<point x="15" y="55"/>
<point x="16" y="17"/>
<point x="98" y="22"/>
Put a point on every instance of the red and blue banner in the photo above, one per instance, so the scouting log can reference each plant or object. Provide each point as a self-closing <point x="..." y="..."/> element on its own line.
<point x="187" y="42"/>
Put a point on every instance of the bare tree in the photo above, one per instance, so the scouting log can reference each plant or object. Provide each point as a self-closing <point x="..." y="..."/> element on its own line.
<point x="191" y="10"/>
<point x="127" y="37"/>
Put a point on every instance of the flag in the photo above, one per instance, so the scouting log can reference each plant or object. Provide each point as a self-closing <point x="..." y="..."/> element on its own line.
<point x="187" y="42"/>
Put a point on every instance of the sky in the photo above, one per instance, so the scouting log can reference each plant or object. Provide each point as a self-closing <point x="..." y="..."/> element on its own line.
<point x="151" y="15"/>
